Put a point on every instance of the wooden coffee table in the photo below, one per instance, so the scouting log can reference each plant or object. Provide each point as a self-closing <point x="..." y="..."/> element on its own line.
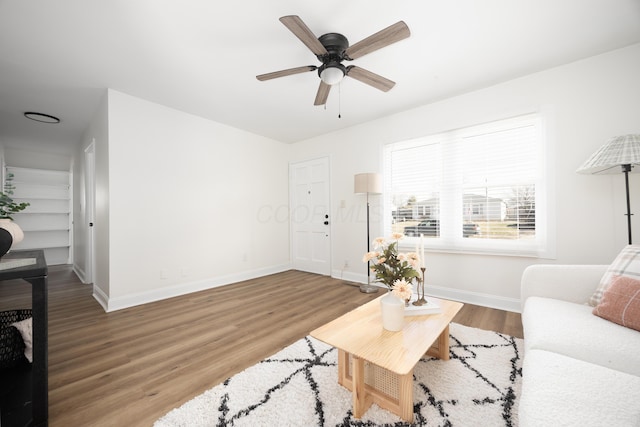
<point x="376" y="364"/>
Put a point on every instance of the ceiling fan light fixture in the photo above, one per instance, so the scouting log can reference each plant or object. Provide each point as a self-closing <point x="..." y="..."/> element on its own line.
<point x="332" y="74"/>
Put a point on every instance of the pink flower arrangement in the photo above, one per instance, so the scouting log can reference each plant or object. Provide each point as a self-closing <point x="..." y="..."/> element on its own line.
<point x="395" y="269"/>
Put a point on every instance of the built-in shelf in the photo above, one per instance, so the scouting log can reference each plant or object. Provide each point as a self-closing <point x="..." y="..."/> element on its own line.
<point x="42" y="221"/>
<point x="46" y="223"/>
<point x="26" y="190"/>
<point x="43" y="239"/>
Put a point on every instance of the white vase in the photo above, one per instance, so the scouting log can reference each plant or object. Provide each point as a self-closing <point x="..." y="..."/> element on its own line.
<point x="13" y="229"/>
<point x="392" y="309"/>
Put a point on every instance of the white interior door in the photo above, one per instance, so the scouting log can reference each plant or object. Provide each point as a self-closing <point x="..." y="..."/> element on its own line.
<point x="310" y="219"/>
<point x="90" y="189"/>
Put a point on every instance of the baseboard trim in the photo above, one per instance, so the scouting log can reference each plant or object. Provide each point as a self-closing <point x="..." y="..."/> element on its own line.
<point x="348" y="276"/>
<point x="80" y="273"/>
<point x="101" y="297"/>
<point x="470" y="297"/>
<point x="476" y="298"/>
<point x="114" y="304"/>
<point x="120" y="303"/>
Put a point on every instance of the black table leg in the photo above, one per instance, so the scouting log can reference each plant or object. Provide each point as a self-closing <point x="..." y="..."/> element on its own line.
<point x="40" y="378"/>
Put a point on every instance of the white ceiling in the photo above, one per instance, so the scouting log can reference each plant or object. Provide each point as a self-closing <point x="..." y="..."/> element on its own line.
<point x="202" y="56"/>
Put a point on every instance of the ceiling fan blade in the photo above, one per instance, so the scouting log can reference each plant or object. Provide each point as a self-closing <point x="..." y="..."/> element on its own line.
<point x="372" y="79"/>
<point x="382" y="38"/>
<point x="288" y="72"/>
<point x="306" y="36"/>
<point x="323" y="94"/>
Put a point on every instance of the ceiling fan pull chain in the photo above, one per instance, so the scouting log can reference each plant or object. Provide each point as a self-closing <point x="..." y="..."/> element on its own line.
<point x="340" y="100"/>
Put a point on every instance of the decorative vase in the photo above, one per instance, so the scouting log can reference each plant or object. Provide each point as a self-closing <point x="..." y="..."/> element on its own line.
<point x="13" y="228"/>
<point x="6" y="240"/>
<point x="392" y="309"/>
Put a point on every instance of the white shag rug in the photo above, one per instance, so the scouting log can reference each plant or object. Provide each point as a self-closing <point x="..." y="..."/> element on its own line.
<point x="298" y="386"/>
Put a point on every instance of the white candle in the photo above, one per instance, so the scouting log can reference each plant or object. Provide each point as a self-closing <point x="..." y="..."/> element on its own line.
<point x="421" y="251"/>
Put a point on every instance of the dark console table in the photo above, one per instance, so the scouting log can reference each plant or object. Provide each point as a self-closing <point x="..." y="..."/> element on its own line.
<point x="36" y="274"/>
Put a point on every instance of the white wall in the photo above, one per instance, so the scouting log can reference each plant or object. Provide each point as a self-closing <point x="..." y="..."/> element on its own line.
<point x="585" y="103"/>
<point x="184" y="196"/>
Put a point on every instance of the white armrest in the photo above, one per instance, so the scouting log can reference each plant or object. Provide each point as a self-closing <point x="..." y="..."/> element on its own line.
<point x="574" y="283"/>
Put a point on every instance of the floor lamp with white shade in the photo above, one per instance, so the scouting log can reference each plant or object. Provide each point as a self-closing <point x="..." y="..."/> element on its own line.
<point x="368" y="183"/>
<point x="619" y="154"/>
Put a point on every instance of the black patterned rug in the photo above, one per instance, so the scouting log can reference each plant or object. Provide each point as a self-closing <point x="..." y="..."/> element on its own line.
<point x="298" y="386"/>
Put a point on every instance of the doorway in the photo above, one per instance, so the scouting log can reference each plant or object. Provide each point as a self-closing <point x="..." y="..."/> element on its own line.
<point x="310" y="216"/>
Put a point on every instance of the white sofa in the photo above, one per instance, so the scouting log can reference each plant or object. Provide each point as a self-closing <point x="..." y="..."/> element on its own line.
<point x="578" y="369"/>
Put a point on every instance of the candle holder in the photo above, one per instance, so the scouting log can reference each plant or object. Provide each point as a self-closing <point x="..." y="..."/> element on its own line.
<point x="421" y="300"/>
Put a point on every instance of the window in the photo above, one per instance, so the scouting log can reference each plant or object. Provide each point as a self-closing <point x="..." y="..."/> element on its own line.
<point x="479" y="189"/>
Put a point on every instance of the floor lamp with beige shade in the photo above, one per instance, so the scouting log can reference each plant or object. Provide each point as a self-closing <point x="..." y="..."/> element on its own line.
<point x="368" y="183"/>
<point x="619" y="154"/>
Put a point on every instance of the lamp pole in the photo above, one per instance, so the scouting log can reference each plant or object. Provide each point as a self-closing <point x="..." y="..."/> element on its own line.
<point x="368" y="245"/>
<point x="368" y="183"/>
<point x="626" y="169"/>
<point x="369" y="289"/>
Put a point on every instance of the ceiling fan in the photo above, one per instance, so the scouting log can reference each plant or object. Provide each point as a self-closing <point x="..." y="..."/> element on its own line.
<point x="332" y="49"/>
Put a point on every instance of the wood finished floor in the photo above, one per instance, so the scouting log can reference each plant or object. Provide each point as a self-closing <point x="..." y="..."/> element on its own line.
<point x="131" y="366"/>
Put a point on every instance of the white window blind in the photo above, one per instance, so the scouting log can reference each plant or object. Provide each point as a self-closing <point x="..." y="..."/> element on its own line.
<point x="480" y="188"/>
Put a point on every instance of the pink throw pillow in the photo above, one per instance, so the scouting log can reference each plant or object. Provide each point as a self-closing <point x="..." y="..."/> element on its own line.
<point x="627" y="263"/>
<point x="621" y="302"/>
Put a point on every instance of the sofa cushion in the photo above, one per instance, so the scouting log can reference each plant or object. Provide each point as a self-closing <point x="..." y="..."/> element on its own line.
<point x="627" y="263"/>
<point x="561" y="391"/>
<point x="571" y="329"/>
<point x="621" y="303"/>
